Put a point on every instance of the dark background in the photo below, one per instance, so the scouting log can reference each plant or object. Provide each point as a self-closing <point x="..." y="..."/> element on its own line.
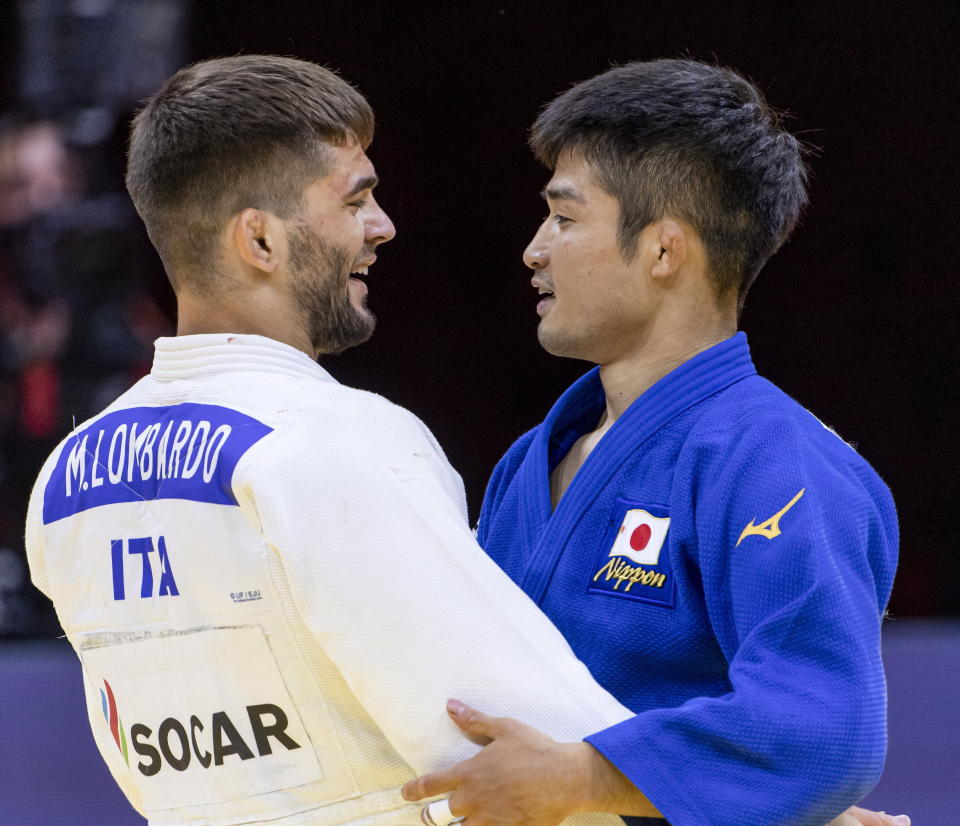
<point x="855" y="317"/>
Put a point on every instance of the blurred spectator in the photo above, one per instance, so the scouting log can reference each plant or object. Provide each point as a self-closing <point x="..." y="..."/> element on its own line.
<point x="77" y="275"/>
<point x="76" y="326"/>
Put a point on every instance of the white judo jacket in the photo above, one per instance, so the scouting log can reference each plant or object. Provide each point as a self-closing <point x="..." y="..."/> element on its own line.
<point x="272" y="587"/>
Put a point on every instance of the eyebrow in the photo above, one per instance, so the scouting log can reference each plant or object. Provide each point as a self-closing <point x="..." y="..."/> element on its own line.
<point x="561" y="193"/>
<point x="364" y="183"/>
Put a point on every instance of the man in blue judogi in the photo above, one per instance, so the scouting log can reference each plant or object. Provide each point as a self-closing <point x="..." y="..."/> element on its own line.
<point x="719" y="558"/>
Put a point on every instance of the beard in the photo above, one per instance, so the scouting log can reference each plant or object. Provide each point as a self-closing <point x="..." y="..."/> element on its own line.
<point x="318" y="282"/>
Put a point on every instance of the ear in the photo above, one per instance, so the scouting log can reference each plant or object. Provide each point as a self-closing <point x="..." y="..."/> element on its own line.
<point x="673" y="248"/>
<point x="257" y="239"/>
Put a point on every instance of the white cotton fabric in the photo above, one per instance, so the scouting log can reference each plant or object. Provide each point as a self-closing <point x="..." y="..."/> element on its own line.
<point x="376" y="605"/>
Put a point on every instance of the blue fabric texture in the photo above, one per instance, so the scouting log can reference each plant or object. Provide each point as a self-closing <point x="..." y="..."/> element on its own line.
<point x="747" y="637"/>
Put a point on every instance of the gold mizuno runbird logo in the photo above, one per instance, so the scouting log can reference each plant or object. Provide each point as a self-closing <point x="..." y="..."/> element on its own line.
<point x="771" y="528"/>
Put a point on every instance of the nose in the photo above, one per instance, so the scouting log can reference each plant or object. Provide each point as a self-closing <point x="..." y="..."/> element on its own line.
<point x="535" y="255"/>
<point x="378" y="227"/>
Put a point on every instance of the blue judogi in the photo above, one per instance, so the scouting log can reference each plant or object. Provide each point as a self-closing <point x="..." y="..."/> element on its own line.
<point x="721" y="562"/>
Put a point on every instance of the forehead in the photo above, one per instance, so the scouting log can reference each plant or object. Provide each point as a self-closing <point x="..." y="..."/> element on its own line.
<point x="349" y="164"/>
<point x="572" y="165"/>
<point x="574" y="181"/>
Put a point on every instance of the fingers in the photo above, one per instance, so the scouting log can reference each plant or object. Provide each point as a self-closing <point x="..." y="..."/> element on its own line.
<point x="865" y="817"/>
<point x="429" y="785"/>
<point x="438" y="813"/>
<point x="481" y="728"/>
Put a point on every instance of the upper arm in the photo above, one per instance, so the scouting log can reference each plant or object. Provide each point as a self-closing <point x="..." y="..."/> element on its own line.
<point x="784" y="523"/>
<point x="388" y="578"/>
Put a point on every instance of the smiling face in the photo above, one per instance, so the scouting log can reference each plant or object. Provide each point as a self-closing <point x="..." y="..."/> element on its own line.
<point x="332" y="241"/>
<point x="596" y="306"/>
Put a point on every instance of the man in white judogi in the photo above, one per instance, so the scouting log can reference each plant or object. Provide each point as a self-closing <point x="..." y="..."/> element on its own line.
<point x="247" y="556"/>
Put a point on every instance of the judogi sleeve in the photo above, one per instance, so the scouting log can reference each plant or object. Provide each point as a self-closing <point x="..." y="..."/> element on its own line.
<point x="369" y="522"/>
<point x="796" y="550"/>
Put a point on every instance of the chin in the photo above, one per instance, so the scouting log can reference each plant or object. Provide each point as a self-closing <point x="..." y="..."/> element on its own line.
<point x="560" y="343"/>
<point x="348" y="326"/>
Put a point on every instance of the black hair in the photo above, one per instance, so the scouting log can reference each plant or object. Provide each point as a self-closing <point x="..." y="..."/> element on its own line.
<point x="691" y="140"/>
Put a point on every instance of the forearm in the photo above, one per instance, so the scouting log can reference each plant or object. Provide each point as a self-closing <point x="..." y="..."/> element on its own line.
<point x="602" y="787"/>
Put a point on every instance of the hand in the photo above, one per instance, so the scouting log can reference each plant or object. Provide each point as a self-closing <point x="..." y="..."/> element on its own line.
<point x="856" y="816"/>
<point x="520" y="776"/>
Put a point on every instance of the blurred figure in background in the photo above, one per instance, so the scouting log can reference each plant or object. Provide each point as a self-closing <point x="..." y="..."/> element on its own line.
<point x="78" y="312"/>
<point x="36" y="178"/>
<point x="69" y="336"/>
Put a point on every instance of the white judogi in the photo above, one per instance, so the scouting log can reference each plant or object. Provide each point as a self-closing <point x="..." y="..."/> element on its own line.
<point x="272" y="587"/>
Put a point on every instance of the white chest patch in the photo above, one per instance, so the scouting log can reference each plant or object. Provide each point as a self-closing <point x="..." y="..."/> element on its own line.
<point x="222" y="728"/>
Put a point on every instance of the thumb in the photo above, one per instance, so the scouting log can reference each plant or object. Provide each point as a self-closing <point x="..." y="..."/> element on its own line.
<point x="479" y="727"/>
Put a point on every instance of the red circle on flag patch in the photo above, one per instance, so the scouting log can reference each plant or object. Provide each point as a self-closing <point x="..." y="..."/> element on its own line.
<point x="640" y="537"/>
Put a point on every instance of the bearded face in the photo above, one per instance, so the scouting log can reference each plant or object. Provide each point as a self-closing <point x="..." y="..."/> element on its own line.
<point x="337" y="317"/>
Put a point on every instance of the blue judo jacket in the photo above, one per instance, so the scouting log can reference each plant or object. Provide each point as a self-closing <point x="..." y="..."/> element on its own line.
<point x="721" y="562"/>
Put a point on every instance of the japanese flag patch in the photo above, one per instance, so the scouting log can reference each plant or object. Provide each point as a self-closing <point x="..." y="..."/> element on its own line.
<point x="634" y="560"/>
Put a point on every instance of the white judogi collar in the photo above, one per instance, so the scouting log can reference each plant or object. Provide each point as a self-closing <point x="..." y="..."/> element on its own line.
<point x="181" y="357"/>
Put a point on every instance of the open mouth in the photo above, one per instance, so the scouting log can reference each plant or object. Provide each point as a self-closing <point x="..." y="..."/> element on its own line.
<point x="360" y="272"/>
<point x="547" y="298"/>
<point x="358" y="278"/>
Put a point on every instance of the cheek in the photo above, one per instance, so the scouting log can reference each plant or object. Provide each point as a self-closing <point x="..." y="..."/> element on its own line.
<point x="342" y="229"/>
<point x="572" y="266"/>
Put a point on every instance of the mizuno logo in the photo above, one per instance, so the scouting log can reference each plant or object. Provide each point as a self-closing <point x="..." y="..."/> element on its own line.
<point x="771" y="528"/>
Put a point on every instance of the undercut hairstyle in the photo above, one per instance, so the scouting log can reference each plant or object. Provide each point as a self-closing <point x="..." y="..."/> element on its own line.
<point x="225" y="135"/>
<point x="689" y="140"/>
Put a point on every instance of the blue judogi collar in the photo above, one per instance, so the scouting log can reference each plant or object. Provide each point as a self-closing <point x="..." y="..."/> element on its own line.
<point x="576" y="412"/>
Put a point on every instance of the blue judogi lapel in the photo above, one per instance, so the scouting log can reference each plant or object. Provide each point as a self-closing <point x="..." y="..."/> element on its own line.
<point x="543" y="532"/>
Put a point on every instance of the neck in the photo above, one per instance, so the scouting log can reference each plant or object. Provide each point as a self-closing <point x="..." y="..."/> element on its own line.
<point x="662" y="350"/>
<point x="257" y="313"/>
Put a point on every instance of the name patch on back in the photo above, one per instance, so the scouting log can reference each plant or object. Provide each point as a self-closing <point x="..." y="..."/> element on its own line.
<point x="187" y="451"/>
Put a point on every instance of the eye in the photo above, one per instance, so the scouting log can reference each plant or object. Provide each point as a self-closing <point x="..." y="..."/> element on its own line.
<point x="356" y="206"/>
<point x="561" y="219"/>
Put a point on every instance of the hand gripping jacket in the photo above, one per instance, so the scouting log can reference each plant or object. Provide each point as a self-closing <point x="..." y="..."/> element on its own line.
<point x="270" y="582"/>
<point x="721" y="563"/>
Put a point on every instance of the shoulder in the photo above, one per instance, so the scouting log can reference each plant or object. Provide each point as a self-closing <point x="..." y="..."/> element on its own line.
<point x="755" y="414"/>
<point x="500" y="480"/>
<point x="350" y="436"/>
<point x="753" y="440"/>
<point x="506" y="468"/>
<point x="518" y="450"/>
<point x="356" y="422"/>
<point x="72" y="441"/>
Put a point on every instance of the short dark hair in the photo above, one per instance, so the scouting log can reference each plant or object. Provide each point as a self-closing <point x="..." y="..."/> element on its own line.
<point x="684" y="138"/>
<point x="226" y="134"/>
